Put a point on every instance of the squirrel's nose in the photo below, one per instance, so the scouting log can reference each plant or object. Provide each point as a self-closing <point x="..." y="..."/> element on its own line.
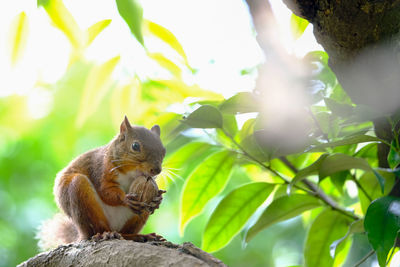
<point x="155" y="170"/>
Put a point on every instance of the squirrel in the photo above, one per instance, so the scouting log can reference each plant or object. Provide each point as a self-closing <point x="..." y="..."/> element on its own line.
<point x="93" y="190"/>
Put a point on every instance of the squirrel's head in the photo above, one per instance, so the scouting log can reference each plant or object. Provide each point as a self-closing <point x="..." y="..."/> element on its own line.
<point x="138" y="148"/>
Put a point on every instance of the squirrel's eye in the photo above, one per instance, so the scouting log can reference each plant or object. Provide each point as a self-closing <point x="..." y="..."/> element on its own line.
<point x="136" y="147"/>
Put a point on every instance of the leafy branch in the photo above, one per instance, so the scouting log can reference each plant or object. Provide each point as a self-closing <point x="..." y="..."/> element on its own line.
<point x="314" y="190"/>
<point x="340" y="158"/>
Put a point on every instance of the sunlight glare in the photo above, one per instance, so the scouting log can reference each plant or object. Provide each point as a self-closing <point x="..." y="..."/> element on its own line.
<point x="40" y="102"/>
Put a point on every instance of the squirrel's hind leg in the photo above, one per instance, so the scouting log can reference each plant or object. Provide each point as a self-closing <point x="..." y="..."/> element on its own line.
<point x="79" y="200"/>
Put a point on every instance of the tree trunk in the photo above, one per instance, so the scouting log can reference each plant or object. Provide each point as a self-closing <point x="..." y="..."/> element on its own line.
<point x="124" y="253"/>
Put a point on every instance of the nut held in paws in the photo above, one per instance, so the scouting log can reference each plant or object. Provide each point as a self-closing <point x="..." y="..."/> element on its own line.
<point x="145" y="188"/>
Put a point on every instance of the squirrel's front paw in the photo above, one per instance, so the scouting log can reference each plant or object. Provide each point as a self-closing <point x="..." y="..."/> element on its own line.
<point x="131" y="200"/>
<point x="155" y="203"/>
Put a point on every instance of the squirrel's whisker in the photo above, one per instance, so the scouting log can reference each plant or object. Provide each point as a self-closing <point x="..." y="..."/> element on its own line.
<point x="171" y="175"/>
<point x="168" y="176"/>
<point x="175" y="175"/>
<point x="119" y="166"/>
<point x="175" y="169"/>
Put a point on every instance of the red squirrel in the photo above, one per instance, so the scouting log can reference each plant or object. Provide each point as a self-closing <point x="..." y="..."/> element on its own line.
<point x="93" y="190"/>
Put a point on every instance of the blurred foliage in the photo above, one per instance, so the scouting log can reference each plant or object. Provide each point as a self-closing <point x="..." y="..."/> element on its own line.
<point x="238" y="194"/>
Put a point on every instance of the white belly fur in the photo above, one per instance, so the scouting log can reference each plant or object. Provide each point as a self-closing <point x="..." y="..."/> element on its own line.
<point x="117" y="216"/>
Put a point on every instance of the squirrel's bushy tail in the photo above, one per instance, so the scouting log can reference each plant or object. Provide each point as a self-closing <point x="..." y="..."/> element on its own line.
<point x="57" y="231"/>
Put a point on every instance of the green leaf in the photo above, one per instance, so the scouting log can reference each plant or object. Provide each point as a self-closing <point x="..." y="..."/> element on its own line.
<point x="18" y="37"/>
<point x="165" y="35"/>
<point x="326" y="228"/>
<point x="206" y="181"/>
<point x="382" y="223"/>
<point x="310" y="170"/>
<point x="355" y="227"/>
<point x="243" y="102"/>
<point x="247" y="129"/>
<point x="340" y="95"/>
<point x="338" y="179"/>
<point x="342" y="252"/>
<point x="373" y="188"/>
<point x="340" y="109"/>
<point x="230" y="124"/>
<point x="281" y="209"/>
<point x="94" y="30"/>
<point x="380" y="179"/>
<point x="297" y="26"/>
<point x="351" y="140"/>
<point x="393" y="156"/>
<point x="328" y="123"/>
<point x="303" y="160"/>
<point x="232" y="213"/>
<point x="64" y="21"/>
<point x="340" y="162"/>
<point x="205" y="117"/>
<point x="368" y="151"/>
<point x="42" y="2"/>
<point x="97" y="84"/>
<point x="252" y="148"/>
<point x="132" y="13"/>
<point x="320" y="56"/>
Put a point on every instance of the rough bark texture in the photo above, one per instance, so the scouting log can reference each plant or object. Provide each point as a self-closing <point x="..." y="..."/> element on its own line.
<point x="124" y="253"/>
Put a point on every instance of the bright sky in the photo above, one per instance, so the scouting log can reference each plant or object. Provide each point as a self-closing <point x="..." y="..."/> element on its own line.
<point x="216" y="35"/>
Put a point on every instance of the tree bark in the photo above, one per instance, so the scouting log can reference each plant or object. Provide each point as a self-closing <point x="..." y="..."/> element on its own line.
<point x="124" y="253"/>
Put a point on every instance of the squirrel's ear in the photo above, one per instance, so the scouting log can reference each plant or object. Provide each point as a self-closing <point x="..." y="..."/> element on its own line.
<point x="125" y="125"/>
<point x="156" y="129"/>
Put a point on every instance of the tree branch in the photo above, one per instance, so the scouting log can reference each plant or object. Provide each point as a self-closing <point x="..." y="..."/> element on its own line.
<point x="124" y="253"/>
<point x="319" y="193"/>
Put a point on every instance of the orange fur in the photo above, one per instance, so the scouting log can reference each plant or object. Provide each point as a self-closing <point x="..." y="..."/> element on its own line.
<point x="92" y="189"/>
<point x="135" y="224"/>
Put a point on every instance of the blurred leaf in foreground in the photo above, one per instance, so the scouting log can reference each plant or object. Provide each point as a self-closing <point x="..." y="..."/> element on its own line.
<point x="94" y="30"/>
<point x="165" y="35"/>
<point x="96" y="86"/>
<point x="64" y="21"/>
<point x="132" y="12"/>
<point x="18" y="37"/>
<point x="166" y="63"/>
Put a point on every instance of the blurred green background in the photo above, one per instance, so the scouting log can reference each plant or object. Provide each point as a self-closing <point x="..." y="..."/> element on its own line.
<point x="71" y="70"/>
